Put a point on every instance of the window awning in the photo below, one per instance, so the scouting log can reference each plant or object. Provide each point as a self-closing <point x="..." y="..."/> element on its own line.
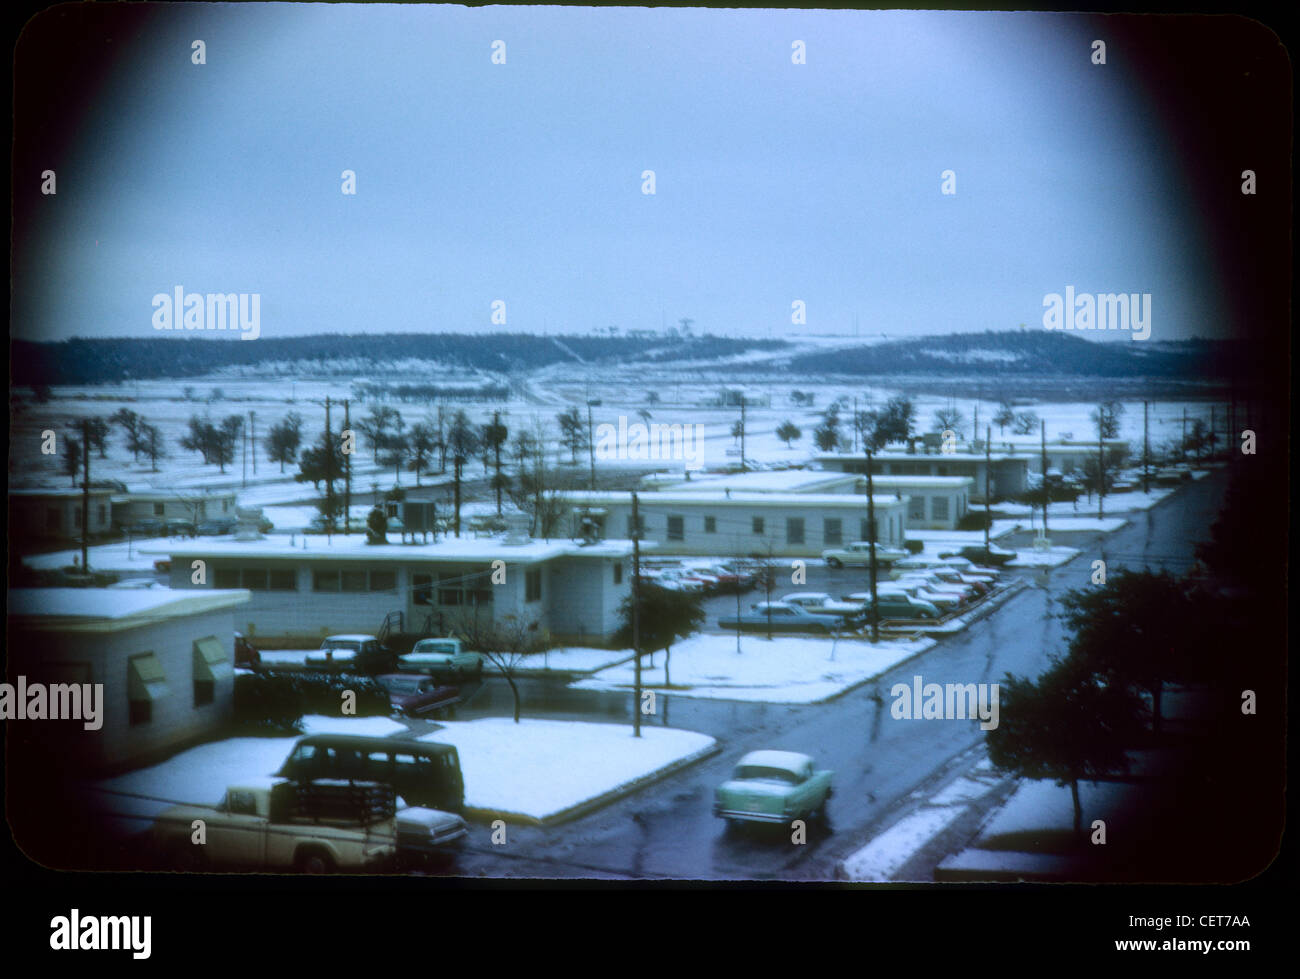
<point x="145" y="679"/>
<point x="210" y="660"/>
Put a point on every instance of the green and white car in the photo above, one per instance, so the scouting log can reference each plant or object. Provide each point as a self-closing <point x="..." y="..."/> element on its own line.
<point x="773" y="787"/>
<point x="442" y="658"/>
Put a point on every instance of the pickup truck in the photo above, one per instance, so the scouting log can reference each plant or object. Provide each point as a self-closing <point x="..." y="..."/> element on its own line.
<point x="272" y="824"/>
<point x="322" y="826"/>
<point x="352" y="653"/>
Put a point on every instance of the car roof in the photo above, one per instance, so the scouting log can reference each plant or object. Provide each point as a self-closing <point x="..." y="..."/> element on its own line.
<point x="357" y="636"/>
<point x="791" y="761"/>
<point x="362" y="742"/>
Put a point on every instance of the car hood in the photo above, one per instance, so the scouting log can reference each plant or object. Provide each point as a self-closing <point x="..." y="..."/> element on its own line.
<point x="420" y="819"/>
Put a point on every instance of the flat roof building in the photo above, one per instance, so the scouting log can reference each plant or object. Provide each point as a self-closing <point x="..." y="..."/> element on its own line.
<point x="316" y="587"/>
<point x="1008" y="472"/>
<point x="723" y="523"/>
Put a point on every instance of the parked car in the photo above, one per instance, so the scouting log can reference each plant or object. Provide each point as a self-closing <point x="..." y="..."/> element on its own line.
<point x="216" y="527"/>
<point x="442" y="658"/>
<point x="858" y="555"/>
<point x="178" y="528"/>
<point x="995" y="555"/>
<point x="895" y="605"/>
<point x="773" y="787"/>
<point x="423" y="773"/>
<point x="820" y="603"/>
<point x="352" y="653"/>
<point x="427" y="835"/>
<point x="416" y="695"/>
<point x="246" y="654"/>
<point x="783" y="618"/>
<point x="922" y="588"/>
<point x="146" y="528"/>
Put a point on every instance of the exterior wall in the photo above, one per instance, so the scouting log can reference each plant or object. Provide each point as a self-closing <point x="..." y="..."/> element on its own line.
<point x="577" y="596"/>
<point x="1067" y="459"/>
<point x="31" y="514"/>
<point x="175" y="719"/>
<point x="734" y="535"/>
<point x="1008" y="476"/>
<point x="130" y="510"/>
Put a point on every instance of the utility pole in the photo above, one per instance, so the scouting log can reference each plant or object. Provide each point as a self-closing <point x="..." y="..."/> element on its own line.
<point x="1214" y="423"/>
<point x="853" y="426"/>
<point x="591" y="453"/>
<point x="1043" y="448"/>
<point x="871" y="539"/>
<point x="1101" y="473"/>
<point x="85" y="495"/>
<point x="1146" y="450"/>
<point x="743" y="467"/>
<point x="1184" y="444"/>
<point x="988" y="465"/>
<point x="329" y="471"/>
<point x="243" y="479"/>
<point x="347" y="472"/>
<point x="252" y="437"/>
<point x="636" y="615"/>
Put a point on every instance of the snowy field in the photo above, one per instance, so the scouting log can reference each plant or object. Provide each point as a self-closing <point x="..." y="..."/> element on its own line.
<point x="541" y="771"/>
<point x="783" y="670"/>
<point x="568" y="659"/>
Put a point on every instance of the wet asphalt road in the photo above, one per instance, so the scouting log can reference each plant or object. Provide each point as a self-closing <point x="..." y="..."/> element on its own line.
<point x="667" y="829"/>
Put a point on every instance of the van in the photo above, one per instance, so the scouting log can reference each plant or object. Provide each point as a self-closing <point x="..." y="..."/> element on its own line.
<point x="422" y="773"/>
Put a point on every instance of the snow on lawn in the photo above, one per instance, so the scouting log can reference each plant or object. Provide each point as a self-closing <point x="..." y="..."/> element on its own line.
<point x="783" y="670"/>
<point x="569" y="659"/>
<point x="1105" y="525"/>
<point x="538" y="769"/>
<point x="201" y="775"/>
<point x="198" y="776"/>
<point x="103" y="557"/>
<point x="1051" y="558"/>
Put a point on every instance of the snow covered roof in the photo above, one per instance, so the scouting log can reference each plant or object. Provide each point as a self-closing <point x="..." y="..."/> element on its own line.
<point x="772" y="481"/>
<point x="354" y="548"/>
<point x="114" y="609"/>
<point x="60" y="493"/>
<point x="902" y="455"/>
<point x="656" y="500"/>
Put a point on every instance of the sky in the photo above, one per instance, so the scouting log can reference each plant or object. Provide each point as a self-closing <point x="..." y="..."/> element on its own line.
<point x="522" y="182"/>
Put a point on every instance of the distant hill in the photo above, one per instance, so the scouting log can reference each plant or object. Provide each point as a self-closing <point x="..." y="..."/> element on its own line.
<point x="111" y="360"/>
<point x="1033" y="352"/>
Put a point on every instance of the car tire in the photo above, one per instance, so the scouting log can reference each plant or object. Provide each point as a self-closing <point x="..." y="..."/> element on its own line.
<point x="834" y="562"/>
<point x="314" y="862"/>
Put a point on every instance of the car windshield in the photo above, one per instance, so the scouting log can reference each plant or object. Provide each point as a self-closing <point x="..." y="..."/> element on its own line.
<point x="430" y="646"/>
<point x="402" y="685"/>
<point x="761" y="773"/>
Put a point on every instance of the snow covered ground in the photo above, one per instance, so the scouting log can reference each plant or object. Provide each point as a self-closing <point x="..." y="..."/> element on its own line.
<point x="540" y="771"/>
<point x="783" y="670"/>
<point x="568" y="659"/>
<point x="103" y="557"/>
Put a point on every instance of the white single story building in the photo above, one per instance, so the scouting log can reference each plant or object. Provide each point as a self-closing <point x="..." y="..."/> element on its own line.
<point x="56" y="513"/>
<point x="314" y="587"/>
<point x="132" y="508"/>
<point x="1008" y="472"/>
<point x="165" y="659"/>
<point x="933" y="502"/>
<point x="1069" y="457"/>
<point x="723" y="523"/>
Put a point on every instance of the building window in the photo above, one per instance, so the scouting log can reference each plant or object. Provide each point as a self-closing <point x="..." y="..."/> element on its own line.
<point x="53" y="520"/>
<point x="159" y="509"/>
<point x="422" y="589"/>
<point x="533" y="585"/>
<point x="916" y="508"/>
<point x="383" y="581"/>
<point x="227" y="578"/>
<point x="618" y="574"/>
<point x="758" y="527"/>
<point x="254" y="579"/>
<point x="103" y="514"/>
<point x="710" y="525"/>
<point x="325" y="581"/>
<point x="794" y="530"/>
<point x="352" y="581"/>
<point x="282" y="579"/>
<point x="450" y="589"/>
<point x="833" y="530"/>
<point x="145" y="683"/>
<point x="676" y="528"/>
<point x="939" y="508"/>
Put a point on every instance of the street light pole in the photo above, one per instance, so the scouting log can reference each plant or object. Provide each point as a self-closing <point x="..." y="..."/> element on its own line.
<point x="871" y="539"/>
<point x="636" y="616"/>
